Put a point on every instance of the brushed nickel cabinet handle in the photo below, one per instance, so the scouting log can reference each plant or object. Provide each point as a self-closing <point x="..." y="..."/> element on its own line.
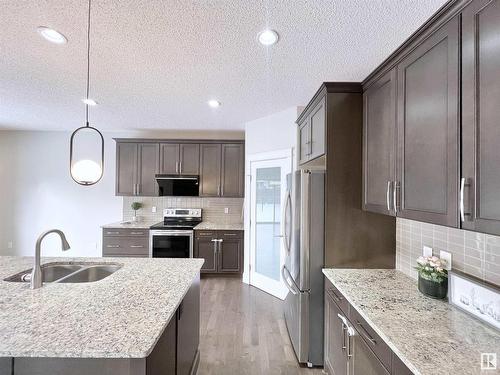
<point x="137" y="233"/>
<point x="463" y="183"/>
<point x="136" y="246"/>
<point x="395" y="187"/>
<point x="365" y="333"/>
<point x="344" y="328"/>
<point x="388" y="195"/>
<point x="112" y="232"/>
<point x="113" y="246"/>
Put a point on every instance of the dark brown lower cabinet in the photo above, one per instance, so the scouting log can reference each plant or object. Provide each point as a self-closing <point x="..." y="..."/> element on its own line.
<point x="125" y="243"/>
<point x="175" y="353"/>
<point x="352" y="347"/>
<point x="335" y="344"/>
<point x="222" y="251"/>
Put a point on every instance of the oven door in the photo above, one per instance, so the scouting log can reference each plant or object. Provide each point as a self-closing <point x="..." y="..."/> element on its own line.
<point x="171" y="244"/>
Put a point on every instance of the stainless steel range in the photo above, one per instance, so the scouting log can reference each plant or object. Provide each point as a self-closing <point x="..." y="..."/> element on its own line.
<point x="174" y="236"/>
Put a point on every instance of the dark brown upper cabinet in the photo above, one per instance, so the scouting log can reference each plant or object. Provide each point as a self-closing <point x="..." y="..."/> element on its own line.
<point x="183" y="159"/>
<point x="379" y="145"/>
<point x="480" y="179"/>
<point x="126" y="169"/>
<point x="147" y="167"/>
<point x="169" y="158"/>
<point x="189" y="159"/>
<point x="137" y="164"/>
<point x="428" y="129"/>
<point x="210" y="170"/>
<point x="312" y="134"/>
<point x="233" y="170"/>
<point x="219" y="164"/>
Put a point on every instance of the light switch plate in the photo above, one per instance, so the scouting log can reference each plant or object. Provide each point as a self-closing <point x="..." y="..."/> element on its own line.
<point x="447" y="257"/>
<point x="226" y="210"/>
<point x="153" y="209"/>
<point x="9" y="245"/>
<point x="427" y="251"/>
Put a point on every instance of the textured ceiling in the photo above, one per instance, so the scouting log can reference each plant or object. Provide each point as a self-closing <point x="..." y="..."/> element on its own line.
<point x="156" y="63"/>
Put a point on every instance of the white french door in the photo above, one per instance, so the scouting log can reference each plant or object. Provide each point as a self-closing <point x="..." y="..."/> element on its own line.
<point x="267" y="198"/>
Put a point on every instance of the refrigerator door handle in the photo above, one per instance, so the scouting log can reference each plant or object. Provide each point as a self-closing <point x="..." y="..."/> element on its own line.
<point x="284" y="235"/>
<point x="286" y="279"/>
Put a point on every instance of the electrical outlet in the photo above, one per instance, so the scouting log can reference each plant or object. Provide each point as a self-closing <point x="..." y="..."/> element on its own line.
<point x="153" y="209"/>
<point x="427" y="251"/>
<point x="226" y="210"/>
<point x="10" y="245"/>
<point x="447" y="257"/>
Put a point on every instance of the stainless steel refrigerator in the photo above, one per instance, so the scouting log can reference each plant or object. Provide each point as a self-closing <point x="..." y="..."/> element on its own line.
<point x="303" y="236"/>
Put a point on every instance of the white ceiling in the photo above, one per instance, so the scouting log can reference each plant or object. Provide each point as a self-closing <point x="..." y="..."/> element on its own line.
<point x="156" y="63"/>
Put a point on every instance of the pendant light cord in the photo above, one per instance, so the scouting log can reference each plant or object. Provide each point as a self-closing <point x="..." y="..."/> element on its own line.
<point x="88" y="68"/>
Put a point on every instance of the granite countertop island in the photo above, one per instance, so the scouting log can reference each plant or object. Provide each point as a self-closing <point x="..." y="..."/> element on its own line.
<point x="121" y="316"/>
<point x="429" y="336"/>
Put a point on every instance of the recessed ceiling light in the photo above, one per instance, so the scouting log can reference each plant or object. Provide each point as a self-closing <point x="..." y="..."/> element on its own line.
<point x="268" y="37"/>
<point x="214" y="103"/>
<point x="89" y="101"/>
<point x="52" y="35"/>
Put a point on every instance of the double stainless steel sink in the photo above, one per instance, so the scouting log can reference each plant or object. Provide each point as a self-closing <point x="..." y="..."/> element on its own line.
<point x="74" y="272"/>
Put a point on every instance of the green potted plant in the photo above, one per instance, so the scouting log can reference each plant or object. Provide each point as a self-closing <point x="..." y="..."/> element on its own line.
<point x="432" y="277"/>
<point x="135" y="206"/>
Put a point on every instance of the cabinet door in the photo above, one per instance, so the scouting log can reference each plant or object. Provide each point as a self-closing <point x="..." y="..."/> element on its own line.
<point x="428" y="100"/>
<point x="379" y="144"/>
<point x="335" y="339"/>
<point x="126" y="168"/>
<point x="210" y="170"/>
<point x="481" y="114"/>
<point x="229" y="254"/>
<point x="363" y="360"/>
<point x="206" y="248"/>
<point x="318" y="127"/>
<point x="233" y="170"/>
<point x="169" y="158"/>
<point x="189" y="159"/>
<point x="304" y="141"/>
<point x="148" y="166"/>
<point x="188" y="329"/>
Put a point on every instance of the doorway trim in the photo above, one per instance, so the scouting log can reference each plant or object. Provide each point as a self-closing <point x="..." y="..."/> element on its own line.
<point x="287" y="153"/>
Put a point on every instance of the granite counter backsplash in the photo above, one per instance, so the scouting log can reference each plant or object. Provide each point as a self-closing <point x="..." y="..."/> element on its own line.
<point x="429" y="336"/>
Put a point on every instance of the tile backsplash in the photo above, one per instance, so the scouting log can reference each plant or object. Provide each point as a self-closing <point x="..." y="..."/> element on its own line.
<point x="213" y="208"/>
<point x="474" y="253"/>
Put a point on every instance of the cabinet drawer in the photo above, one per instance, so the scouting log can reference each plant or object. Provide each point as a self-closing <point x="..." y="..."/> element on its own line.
<point x="334" y="294"/>
<point x="230" y="234"/>
<point x="375" y="343"/>
<point x="125" y="232"/>
<point x="205" y="233"/>
<point x="125" y="246"/>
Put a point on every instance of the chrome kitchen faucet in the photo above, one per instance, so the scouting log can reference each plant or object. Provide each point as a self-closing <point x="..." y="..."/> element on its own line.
<point x="36" y="274"/>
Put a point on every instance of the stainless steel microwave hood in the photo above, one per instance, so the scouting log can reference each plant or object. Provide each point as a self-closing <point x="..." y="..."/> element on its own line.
<point x="173" y="185"/>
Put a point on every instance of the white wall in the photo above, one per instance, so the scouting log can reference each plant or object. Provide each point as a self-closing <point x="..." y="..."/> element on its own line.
<point x="38" y="193"/>
<point x="271" y="133"/>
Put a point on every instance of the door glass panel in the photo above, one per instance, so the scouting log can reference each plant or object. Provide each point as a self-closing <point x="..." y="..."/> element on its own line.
<point x="267" y="222"/>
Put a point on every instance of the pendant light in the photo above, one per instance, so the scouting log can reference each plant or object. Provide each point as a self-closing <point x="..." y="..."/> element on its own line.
<point x="85" y="141"/>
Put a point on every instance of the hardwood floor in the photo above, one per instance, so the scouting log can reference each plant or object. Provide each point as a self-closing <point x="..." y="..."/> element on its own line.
<point x="243" y="331"/>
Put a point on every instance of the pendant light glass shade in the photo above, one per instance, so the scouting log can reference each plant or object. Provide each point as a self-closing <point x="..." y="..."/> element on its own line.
<point x="86" y="155"/>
